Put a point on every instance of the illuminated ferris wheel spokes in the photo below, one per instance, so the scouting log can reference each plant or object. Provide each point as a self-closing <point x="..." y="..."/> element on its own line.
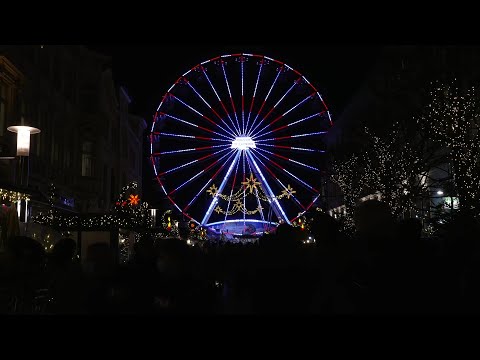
<point x="211" y="179"/>
<point x="232" y="132"/>
<point x="287" y="189"/>
<point x="254" y="92"/>
<point x="250" y="127"/>
<point x="237" y="129"/>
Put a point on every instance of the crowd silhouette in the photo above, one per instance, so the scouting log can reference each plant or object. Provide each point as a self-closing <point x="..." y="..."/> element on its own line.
<point x="387" y="267"/>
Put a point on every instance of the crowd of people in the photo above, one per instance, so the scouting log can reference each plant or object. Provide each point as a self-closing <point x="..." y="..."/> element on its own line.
<point x="387" y="267"/>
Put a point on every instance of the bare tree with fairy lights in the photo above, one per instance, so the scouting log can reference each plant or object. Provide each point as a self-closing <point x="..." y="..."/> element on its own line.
<point x="347" y="175"/>
<point x="452" y="119"/>
<point x="394" y="165"/>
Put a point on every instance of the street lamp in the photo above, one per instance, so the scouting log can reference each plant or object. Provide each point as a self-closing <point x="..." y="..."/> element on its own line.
<point x="23" y="138"/>
<point x="23" y="152"/>
<point x="23" y="148"/>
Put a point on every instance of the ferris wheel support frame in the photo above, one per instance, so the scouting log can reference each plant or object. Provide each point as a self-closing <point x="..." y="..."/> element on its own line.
<point x="272" y="199"/>
<point x="220" y="189"/>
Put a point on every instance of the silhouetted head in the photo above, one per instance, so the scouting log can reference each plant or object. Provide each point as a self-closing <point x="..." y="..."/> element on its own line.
<point x="287" y="234"/>
<point x="145" y="250"/>
<point x="373" y="216"/>
<point x="410" y="230"/>
<point x="374" y="222"/>
<point x="461" y="235"/>
<point x="63" y="251"/>
<point x="324" y="228"/>
<point x="99" y="259"/>
<point x="27" y="250"/>
<point x="173" y="256"/>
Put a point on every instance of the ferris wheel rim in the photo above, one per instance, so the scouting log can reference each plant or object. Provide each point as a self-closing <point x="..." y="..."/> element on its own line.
<point x="202" y="64"/>
<point x="220" y="57"/>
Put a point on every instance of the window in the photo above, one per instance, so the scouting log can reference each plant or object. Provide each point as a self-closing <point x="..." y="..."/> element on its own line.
<point x="66" y="159"/>
<point x="90" y="102"/>
<point x="38" y="138"/>
<point x="45" y="62"/>
<point x="56" y="156"/>
<point x="124" y="143"/>
<point x="69" y="82"/>
<point x="87" y="158"/>
<point x="112" y="185"/>
<point x="135" y="167"/>
<point x="58" y="75"/>
<point x="105" y="179"/>
<point x="52" y="147"/>
<point x="3" y="100"/>
<point x="23" y="109"/>
<point x="115" y="139"/>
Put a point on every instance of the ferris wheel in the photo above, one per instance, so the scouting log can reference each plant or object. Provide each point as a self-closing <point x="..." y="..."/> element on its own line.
<point x="237" y="143"/>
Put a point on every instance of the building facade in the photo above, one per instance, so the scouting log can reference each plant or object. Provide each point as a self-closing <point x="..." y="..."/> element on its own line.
<point x="89" y="145"/>
<point x="397" y="89"/>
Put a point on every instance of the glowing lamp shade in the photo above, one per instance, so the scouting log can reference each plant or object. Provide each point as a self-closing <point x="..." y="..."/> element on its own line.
<point x="23" y="138"/>
<point x="23" y="142"/>
<point x="243" y="143"/>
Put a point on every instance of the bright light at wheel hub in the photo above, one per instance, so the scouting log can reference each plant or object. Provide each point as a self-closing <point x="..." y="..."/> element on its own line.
<point x="243" y="143"/>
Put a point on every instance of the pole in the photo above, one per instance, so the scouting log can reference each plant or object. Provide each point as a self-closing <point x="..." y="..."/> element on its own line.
<point x="23" y="171"/>
<point x="114" y="244"/>
<point x="79" y="246"/>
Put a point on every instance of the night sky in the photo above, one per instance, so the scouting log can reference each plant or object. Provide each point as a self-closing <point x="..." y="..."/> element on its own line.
<point x="147" y="71"/>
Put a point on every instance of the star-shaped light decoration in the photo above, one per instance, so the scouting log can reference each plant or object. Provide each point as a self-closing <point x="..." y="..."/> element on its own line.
<point x="238" y="204"/>
<point x="237" y="207"/>
<point x="251" y="183"/>
<point x="133" y="199"/>
<point x="213" y="190"/>
<point x="218" y="209"/>
<point x="288" y="191"/>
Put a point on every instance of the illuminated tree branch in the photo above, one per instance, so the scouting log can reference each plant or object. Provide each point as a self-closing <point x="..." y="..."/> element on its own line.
<point x="452" y="119"/>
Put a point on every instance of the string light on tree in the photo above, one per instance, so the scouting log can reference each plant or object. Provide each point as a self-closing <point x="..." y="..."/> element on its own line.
<point x="392" y="167"/>
<point x="52" y="194"/>
<point x="452" y="118"/>
<point x="347" y="175"/>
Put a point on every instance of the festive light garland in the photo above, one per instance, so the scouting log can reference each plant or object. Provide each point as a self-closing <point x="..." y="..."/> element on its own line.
<point x="124" y="215"/>
<point x="59" y="220"/>
<point x="238" y="207"/>
<point x="170" y="224"/>
<point x="302" y="223"/>
<point x="251" y="184"/>
<point x="196" y="232"/>
<point x="124" y="246"/>
<point x="52" y="194"/>
<point x="13" y="196"/>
